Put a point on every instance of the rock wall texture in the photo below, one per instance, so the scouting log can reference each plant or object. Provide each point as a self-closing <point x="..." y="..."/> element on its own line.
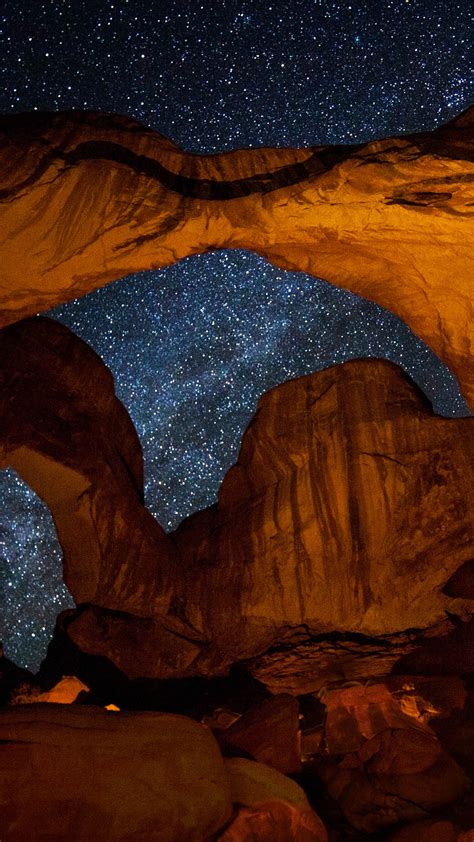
<point x="65" y="432"/>
<point x="87" y="198"/>
<point x="348" y="513"/>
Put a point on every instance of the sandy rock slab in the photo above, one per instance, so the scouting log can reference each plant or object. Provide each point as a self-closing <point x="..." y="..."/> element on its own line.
<point x="76" y="773"/>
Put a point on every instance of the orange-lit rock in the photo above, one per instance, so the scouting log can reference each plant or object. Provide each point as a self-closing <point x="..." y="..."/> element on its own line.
<point x="65" y="692"/>
<point x="348" y="511"/>
<point x="74" y="772"/>
<point x="274" y="821"/>
<point x="273" y="808"/>
<point x="87" y="198"/>
<point x="348" y="508"/>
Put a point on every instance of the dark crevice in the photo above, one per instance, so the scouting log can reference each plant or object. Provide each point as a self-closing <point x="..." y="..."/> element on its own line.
<point x="322" y="159"/>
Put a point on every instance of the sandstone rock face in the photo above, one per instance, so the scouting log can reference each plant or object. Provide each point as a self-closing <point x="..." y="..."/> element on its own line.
<point x="269" y="732"/>
<point x="65" y="432"/>
<point x="348" y="511"/>
<point x="87" y="198"/>
<point x="72" y="772"/>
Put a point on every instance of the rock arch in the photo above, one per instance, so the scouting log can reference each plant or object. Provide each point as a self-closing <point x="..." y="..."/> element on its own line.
<point x="89" y="197"/>
<point x="346" y="483"/>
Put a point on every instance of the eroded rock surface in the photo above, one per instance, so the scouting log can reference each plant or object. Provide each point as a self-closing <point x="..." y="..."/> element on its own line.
<point x="381" y="765"/>
<point x="335" y="532"/>
<point x="348" y="511"/>
<point x="87" y="198"/>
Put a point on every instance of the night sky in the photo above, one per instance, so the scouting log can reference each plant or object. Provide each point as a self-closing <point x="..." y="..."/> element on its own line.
<point x="193" y="346"/>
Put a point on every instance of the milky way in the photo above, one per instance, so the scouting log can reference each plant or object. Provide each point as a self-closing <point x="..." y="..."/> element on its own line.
<point x="193" y="346"/>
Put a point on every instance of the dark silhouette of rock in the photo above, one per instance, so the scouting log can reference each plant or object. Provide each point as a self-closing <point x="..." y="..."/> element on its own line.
<point x="443" y="654"/>
<point x="13" y="679"/>
<point x="431" y="830"/>
<point x="461" y="582"/>
<point x="90" y="197"/>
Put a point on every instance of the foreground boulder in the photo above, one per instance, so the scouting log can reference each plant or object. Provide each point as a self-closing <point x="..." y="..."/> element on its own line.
<point x="88" y="198"/>
<point x="82" y="773"/>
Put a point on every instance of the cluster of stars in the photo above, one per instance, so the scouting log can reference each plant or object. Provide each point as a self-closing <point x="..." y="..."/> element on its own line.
<point x="192" y="347"/>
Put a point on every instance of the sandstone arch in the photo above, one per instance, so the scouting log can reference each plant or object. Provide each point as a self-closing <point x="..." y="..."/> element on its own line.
<point x="348" y="512"/>
<point x="87" y="198"/>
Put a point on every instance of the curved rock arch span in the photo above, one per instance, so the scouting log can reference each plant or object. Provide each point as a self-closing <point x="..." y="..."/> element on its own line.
<point x="88" y="198"/>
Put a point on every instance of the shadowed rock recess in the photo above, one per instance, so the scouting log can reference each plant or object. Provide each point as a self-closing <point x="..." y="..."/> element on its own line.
<point x="331" y="551"/>
<point x="89" y="197"/>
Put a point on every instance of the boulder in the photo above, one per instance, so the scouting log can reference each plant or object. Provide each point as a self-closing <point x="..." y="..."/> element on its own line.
<point x="274" y="821"/>
<point x="83" y="773"/>
<point x="90" y="197"/>
<point x="269" y="732"/>
<point x="271" y="806"/>
<point x="381" y="765"/>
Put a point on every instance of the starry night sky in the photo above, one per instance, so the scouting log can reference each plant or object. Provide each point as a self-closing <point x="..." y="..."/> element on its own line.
<point x="193" y="346"/>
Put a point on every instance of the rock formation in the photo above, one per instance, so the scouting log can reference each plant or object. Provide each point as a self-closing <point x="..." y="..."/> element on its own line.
<point x="87" y="198"/>
<point x="272" y="808"/>
<point x="348" y="507"/>
<point x="381" y="765"/>
<point x="65" y="432"/>
<point x="327" y="555"/>
<point x="70" y="772"/>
